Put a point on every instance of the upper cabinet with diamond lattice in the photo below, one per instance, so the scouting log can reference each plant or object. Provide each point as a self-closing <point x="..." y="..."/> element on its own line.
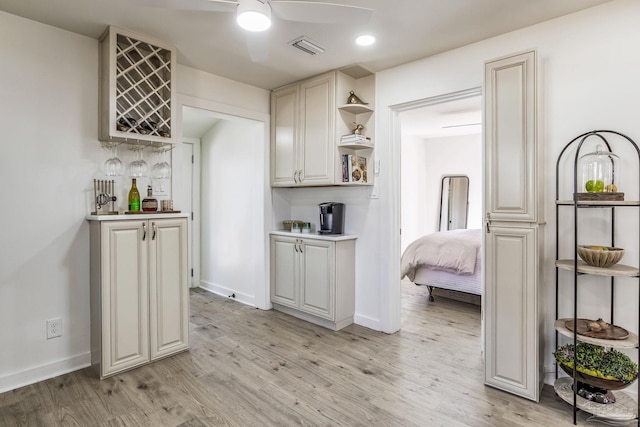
<point x="137" y="89"/>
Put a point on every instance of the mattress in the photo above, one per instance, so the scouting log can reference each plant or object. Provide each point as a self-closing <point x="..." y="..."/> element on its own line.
<point x="470" y="283"/>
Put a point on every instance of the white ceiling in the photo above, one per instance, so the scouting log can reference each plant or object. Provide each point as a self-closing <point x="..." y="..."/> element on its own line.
<point x="452" y="118"/>
<point x="211" y="41"/>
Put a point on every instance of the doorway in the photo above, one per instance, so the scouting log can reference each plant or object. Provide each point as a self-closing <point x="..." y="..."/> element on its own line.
<point x="227" y="151"/>
<point x="439" y="137"/>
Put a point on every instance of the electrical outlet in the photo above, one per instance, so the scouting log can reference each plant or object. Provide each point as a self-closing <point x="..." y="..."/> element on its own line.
<point x="54" y="328"/>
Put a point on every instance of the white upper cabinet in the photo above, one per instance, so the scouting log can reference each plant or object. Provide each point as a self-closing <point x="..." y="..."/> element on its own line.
<point x="308" y="119"/>
<point x="137" y="89"/>
<point x="284" y="138"/>
<point x="510" y="138"/>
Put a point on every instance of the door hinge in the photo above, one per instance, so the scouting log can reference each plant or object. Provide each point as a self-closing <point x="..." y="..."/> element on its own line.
<point x="193" y="157"/>
<point x="192" y="272"/>
<point x="191" y="216"/>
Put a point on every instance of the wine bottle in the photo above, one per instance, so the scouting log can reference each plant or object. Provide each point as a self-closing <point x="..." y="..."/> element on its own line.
<point x="149" y="204"/>
<point x="134" y="197"/>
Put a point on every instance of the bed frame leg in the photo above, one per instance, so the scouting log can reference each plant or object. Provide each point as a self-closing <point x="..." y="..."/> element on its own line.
<point x="430" y="288"/>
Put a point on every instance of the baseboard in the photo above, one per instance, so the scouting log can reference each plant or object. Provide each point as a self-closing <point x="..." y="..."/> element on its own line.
<point x="226" y="292"/>
<point x="367" y="322"/>
<point x="44" y="372"/>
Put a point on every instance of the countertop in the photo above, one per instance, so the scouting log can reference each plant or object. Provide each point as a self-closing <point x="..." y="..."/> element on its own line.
<point x="314" y="235"/>
<point x="127" y="217"/>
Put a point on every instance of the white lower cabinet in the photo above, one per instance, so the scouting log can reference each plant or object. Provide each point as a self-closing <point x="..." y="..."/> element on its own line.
<point x="512" y="315"/>
<point x="314" y="279"/>
<point x="139" y="292"/>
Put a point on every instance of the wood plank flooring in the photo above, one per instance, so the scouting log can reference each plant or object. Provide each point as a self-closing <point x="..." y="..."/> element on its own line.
<point x="248" y="367"/>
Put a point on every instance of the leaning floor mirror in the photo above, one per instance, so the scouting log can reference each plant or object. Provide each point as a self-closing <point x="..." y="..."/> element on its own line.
<point x="454" y="202"/>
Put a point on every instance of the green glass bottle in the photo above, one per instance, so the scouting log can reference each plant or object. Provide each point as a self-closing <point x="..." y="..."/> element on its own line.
<point x="134" y="197"/>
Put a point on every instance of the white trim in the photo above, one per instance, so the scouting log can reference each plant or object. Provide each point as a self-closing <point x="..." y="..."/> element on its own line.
<point x="391" y="313"/>
<point x="367" y="322"/>
<point x="262" y="296"/>
<point x="226" y="292"/>
<point x="194" y="253"/>
<point x="44" y="372"/>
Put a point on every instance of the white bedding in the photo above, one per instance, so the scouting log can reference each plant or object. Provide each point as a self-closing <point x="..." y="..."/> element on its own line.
<point x="454" y="251"/>
<point x="470" y="283"/>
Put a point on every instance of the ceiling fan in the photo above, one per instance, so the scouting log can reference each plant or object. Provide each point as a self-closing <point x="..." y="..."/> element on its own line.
<point x="255" y="15"/>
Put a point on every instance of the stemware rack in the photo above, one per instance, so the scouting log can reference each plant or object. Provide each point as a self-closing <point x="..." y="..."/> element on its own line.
<point x="137" y="89"/>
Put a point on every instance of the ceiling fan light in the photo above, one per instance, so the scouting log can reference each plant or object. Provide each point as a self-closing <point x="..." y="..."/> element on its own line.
<point x="365" y="40"/>
<point x="254" y="15"/>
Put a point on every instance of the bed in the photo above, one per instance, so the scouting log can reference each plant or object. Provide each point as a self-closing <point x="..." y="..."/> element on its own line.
<point x="447" y="259"/>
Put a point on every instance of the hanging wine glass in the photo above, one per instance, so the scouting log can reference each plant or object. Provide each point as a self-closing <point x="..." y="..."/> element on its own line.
<point x="113" y="165"/>
<point x="162" y="169"/>
<point x="138" y="168"/>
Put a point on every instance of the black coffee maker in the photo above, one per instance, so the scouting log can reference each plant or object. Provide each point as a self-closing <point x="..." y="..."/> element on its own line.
<point x="331" y="218"/>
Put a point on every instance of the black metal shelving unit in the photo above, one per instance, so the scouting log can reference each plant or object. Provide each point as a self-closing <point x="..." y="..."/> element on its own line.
<point x="574" y="148"/>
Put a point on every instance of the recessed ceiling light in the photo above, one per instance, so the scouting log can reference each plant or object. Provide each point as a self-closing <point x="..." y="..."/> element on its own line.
<point x="365" y="40"/>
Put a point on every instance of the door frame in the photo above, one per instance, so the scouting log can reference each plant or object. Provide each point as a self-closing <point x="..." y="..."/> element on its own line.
<point x="394" y="292"/>
<point x="261" y="296"/>
<point x="194" y="229"/>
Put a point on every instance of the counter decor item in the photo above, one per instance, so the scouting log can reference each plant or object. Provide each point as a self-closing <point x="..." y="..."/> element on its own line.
<point x="149" y="204"/>
<point x="167" y="206"/>
<point x="288" y="224"/>
<point x="600" y="172"/>
<point x="134" y="197"/>
<point x="600" y="256"/>
<point x="353" y="99"/>
<point x="103" y="195"/>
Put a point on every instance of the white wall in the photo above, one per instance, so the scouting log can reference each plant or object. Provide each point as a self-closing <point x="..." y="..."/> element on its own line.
<point x="48" y="158"/>
<point x="419" y="214"/>
<point x="232" y="251"/>
<point x="424" y="163"/>
<point x="588" y="80"/>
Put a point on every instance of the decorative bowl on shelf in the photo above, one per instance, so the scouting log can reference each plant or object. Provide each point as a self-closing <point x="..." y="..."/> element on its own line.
<point x="600" y="256"/>
<point x="598" y="367"/>
<point x="602" y="383"/>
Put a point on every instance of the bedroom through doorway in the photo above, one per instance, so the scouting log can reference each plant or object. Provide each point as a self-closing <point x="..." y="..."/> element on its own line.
<point x="441" y="199"/>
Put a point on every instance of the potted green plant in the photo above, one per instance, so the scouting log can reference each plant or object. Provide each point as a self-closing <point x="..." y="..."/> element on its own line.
<point x="597" y="366"/>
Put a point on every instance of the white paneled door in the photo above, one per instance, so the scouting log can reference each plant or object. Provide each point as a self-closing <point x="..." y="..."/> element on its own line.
<point x="513" y="209"/>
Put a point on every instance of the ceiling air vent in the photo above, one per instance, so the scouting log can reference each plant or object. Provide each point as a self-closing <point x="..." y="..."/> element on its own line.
<point x="304" y="44"/>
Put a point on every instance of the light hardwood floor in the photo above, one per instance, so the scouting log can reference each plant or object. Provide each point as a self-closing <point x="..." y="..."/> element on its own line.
<point x="248" y="367"/>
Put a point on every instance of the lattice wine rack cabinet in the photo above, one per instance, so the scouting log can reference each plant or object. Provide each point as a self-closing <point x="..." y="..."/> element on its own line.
<point x="137" y="89"/>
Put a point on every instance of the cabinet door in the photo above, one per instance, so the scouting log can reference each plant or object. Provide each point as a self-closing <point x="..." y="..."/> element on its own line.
<point x="284" y="136"/>
<point x="510" y="139"/>
<point x="284" y="271"/>
<point x="511" y="319"/>
<point x="317" y="130"/>
<point x="317" y="278"/>
<point x="125" y="295"/>
<point x="511" y="257"/>
<point x="168" y="287"/>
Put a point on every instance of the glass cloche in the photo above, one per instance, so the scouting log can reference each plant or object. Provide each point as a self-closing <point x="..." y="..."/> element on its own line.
<point x="599" y="172"/>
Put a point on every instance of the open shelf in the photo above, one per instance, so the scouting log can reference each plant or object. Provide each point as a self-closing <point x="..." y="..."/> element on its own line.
<point x="356" y="108"/>
<point x="596" y="204"/>
<point x="630" y="342"/>
<point x="624" y="408"/>
<point x="614" y="270"/>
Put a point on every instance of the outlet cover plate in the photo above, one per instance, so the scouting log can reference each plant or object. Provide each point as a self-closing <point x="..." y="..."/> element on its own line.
<point x="54" y="328"/>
